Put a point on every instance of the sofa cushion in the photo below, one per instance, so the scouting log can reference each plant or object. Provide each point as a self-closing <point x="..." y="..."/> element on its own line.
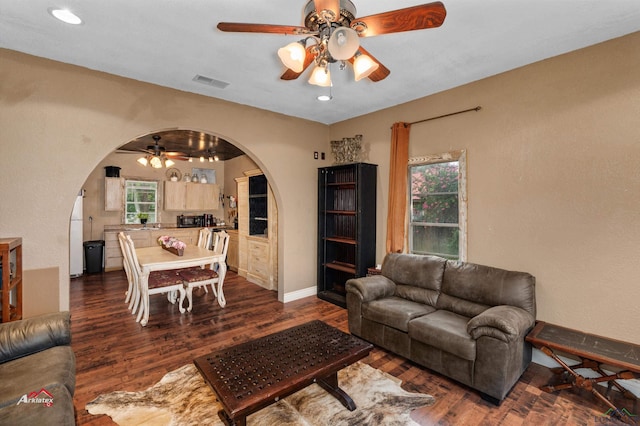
<point x="416" y="294"/>
<point x="424" y="272"/>
<point x="446" y="331"/>
<point x="469" y="289"/>
<point x="27" y="336"/>
<point x="394" y="311"/>
<point x="37" y="371"/>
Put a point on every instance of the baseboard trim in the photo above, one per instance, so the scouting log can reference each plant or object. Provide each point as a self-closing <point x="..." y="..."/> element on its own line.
<point x="540" y="358"/>
<point x="300" y="294"/>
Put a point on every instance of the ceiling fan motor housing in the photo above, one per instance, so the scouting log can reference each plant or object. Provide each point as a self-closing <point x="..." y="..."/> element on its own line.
<point x="314" y="21"/>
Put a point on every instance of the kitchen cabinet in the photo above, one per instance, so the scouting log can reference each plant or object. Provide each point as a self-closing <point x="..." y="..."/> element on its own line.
<point x="113" y="253"/>
<point x="113" y="193"/>
<point x="191" y="196"/>
<point x="258" y="260"/>
<point x="202" y="196"/>
<point x="232" y="250"/>
<point x="175" y="195"/>
<point x="186" y="235"/>
<point x="11" y="279"/>
<point x="257" y="230"/>
<point x="258" y="200"/>
<point x="346" y="227"/>
<point x="242" y="185"/>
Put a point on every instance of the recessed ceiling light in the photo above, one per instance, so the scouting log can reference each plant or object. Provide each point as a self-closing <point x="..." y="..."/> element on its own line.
<point x="324" y="98"/>
<point x="65" y="16"/>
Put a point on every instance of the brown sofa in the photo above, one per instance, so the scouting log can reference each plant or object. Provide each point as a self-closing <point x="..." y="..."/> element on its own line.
<point x="37" y="371"/>
<point x="465" y="321"/>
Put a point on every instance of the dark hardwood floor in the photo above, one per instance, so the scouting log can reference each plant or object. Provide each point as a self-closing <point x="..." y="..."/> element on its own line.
<point x="116" y="353"/>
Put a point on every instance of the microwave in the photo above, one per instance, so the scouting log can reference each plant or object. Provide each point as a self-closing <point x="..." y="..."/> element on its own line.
<point x="190" y="221"/>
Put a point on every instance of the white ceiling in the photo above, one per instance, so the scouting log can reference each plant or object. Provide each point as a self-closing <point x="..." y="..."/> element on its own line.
<point x="169" y="42"/>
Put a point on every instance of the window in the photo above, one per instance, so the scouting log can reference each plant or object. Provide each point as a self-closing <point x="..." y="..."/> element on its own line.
<point x="141" y="199"/>
<point x="438" y="205"/>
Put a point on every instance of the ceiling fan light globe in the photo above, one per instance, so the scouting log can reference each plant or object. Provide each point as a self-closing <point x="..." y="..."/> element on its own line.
<point x="343" y="43"/>
<point x="292" y="56"/>
<point x="363" y="66"/>
<point x="155" y="162"/>
<point x="320" y="77"/>
<point x="168" y="162"/>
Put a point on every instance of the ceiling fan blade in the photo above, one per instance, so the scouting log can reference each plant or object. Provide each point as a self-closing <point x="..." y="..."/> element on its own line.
<point x="329" y="10"/>
<point x="411" y="18"/>
<point x="379" y="74"/>
<point x="238" y="27"/>
<point x="308" y="59"/>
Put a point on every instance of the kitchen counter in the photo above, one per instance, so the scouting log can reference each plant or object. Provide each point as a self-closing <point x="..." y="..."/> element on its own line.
<point x="156" y="227"/>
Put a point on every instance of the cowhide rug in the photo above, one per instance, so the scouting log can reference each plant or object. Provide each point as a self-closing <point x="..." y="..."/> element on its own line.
<point x="183" y="398"/>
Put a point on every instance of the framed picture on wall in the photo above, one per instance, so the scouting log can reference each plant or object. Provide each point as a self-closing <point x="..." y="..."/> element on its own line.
<point x="210" y="174"/>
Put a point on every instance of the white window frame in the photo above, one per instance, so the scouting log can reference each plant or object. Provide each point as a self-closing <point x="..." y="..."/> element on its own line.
<point x="461" y="157"/>
<point x="157" y="201"/>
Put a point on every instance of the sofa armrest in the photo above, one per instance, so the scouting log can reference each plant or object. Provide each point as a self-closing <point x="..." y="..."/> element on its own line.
<point x="371" y="288"/>
<point x="503" y="322"/>
<point x="28" y="336"/>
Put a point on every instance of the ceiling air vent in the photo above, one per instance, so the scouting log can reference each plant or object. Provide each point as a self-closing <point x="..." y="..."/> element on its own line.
<point x="210" y="81"/>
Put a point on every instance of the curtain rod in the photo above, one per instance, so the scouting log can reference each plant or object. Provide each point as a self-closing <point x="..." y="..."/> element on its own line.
<point x="478" y="108"/>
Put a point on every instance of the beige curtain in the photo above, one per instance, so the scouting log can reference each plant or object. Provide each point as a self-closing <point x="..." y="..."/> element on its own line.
<point x="398" y="187"/>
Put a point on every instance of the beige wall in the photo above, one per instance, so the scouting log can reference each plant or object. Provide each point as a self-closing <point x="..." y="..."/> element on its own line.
<point x="58" y="122"/>
<point x="553" y="177"/>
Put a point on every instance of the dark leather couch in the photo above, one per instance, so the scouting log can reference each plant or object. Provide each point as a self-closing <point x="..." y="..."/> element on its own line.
<point x="37" y="371"/>
<point x="465" y="321"/>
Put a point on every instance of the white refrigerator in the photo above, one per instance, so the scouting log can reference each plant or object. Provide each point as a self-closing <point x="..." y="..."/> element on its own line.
<point x="76" y="249"/>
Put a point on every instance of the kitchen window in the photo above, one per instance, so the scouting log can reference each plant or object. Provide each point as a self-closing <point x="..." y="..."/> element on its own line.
<point x="141" y="201"/>
<point x="437" y="198"/>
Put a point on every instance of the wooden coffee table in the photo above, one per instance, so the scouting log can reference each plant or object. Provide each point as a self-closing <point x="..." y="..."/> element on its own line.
<point x="250" y="376"/>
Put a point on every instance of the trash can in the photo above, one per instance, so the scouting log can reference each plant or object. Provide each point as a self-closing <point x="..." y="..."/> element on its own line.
<point x="93" y="256"/>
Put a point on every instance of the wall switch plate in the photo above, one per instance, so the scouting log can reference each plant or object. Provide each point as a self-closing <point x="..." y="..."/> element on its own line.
<point x="315" y="155"/>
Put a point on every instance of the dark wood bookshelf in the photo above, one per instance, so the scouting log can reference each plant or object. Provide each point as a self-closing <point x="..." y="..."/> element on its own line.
<point x="346" y="227"/>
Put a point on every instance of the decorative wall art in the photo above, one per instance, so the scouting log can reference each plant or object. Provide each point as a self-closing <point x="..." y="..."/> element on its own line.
<point x="209" y="174"/>
<point x="348" y="150"/>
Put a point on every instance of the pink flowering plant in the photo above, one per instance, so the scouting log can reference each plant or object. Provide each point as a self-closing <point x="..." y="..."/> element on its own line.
<point x="168" y="241"/>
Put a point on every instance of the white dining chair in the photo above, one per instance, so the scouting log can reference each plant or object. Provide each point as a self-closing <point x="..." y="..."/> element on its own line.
<point x="204" y="241"/>
<point x="168" y="282"/>
<point x="204" y="238"/>
<point x="201" y="277"/>
<point x="132" y="296"/>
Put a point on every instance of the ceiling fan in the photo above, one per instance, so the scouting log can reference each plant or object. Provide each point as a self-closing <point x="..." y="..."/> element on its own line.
<point x="157" y="156"/>
<point x="334" y="31"/>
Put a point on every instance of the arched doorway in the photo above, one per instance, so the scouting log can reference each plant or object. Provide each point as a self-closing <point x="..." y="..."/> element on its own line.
<point x="192" y="153"/>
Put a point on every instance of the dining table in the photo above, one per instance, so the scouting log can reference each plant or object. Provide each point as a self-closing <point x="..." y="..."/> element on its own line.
<point x="157" y="258"/>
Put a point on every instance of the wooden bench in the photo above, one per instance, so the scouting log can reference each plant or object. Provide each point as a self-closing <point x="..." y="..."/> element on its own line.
<point x="594" y="352"/>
